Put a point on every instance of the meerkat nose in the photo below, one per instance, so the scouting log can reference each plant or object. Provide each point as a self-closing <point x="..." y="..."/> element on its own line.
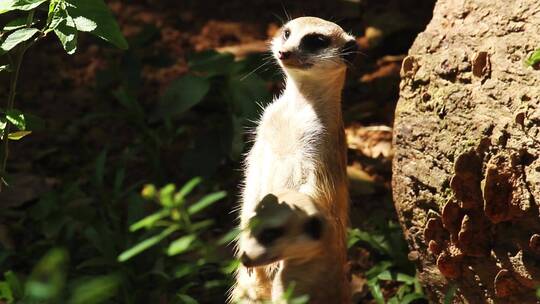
<point x="284" y="54"/>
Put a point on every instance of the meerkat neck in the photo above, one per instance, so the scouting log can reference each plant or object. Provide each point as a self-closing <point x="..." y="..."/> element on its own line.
<point x="322" y="92"/>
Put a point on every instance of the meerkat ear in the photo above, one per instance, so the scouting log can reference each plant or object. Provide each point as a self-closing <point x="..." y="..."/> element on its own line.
<point x="314" y="227"/>
<point x="349" y="51"/>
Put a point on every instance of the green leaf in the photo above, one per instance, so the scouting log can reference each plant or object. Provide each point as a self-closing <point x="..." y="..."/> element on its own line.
<point x="148" y="221"/>
<point x="189" y="186"/>
<point x="202" y="225"/>
<point x="14" y="284"/>
<point x="57" y="13"/>
<point x="182" y="94"/>
<point x="399" y="277"/>
<point x="166" y="195"/>
<point x="3" y="125"/>
<point x="184" y="269"/>
<point x="375" y="290"/>
<point x="181" y="245"/>
<point x="378" y="268"/>
<point x="211" y="63"/>
<point x="231" y="266"/>
<point x="411" y="297"/>
<point x="94" y="16"/>
<point x="94" y="263"/>
<point x="15" y="24"/>
<point x="99" y="172"/>
<point x="16" y="118"/>
<point x="449" y="296"/>
<point x="142" y="246"/>
<point x="534" y="59"/>
<point x="185" y="299"/>
<point x="385" y="276"/>
<point x="23" y="5"/>
<point x="405" y="278"/>
<point x="6" y="293"/>
<point x="229" y="237"/>
<point x="95" y="290"/>
<point x="65" y="30"/>
<point x="375" y="239"/>
<point x="48" y="277"/>
<point x="206" y="201"/>
<point x="393" y="300"/>
<point x="17" y="37"/>
<point x="18" y="135"/>
<point x="84" y="24"/>
<point x="299" y="300"/>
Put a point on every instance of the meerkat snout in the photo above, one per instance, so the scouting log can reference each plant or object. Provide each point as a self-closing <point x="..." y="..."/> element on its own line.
<point x="298" y="46"/>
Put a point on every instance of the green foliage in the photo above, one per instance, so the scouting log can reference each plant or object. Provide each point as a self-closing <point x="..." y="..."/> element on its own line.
<point x="18" y="36"/>
<point x="98" y="268"/>
<point x="65" y="18"/>
<point x="95" y="289"/>
<point x="450" y="294"/>
<point x="182" y="94"/>
<point x="386" y="241"/>
<point x="93" y="16"/>
<point x="115" y="238"/>
<point x="175" y="216"/>
<point x="48" y="278"/>
<point x="23" y="5"/>
<point x="47" y="284"/>
<point x="534" y="59"/>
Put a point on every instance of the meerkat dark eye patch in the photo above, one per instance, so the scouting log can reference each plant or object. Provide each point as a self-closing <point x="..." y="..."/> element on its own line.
<point x="314" y="228"/>
<point x="269" y="235"/>
<point x="349" y="51"/>
<point x="314" y="42"/>
<point x="286" y="33"/>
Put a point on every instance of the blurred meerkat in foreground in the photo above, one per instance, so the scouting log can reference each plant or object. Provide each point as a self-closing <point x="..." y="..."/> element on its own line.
<point x="289" y="230"/>
<point x="300" y="146"/>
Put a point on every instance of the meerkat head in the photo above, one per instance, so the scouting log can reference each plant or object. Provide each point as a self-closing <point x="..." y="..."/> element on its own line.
<point x="308" y="44"/>
<point x="286" y="226"/>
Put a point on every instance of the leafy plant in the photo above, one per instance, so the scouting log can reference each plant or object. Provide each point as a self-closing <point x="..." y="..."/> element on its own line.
<point x="206" y="109"/>
<point x="178" y="216"/>
<point x="48" y="284"/>
<point x="65" y="18"/>
<point x="386" y="240"/>
<point x="175" y="216"/>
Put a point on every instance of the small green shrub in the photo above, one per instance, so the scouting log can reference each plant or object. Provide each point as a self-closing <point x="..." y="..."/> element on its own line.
<point x="64" y="18"/>
<point x="386" y="241"/>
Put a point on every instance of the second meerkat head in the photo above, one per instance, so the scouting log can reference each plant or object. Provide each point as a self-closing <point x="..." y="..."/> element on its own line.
<point x="310" y="43"/>
<point x="284" y="226"/>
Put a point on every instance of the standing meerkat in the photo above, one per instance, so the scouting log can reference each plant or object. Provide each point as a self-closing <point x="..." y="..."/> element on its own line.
<point x="300" y="146"/>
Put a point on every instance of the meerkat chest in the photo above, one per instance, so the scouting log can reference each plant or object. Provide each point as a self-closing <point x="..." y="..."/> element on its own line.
<point x="288" y="144"/>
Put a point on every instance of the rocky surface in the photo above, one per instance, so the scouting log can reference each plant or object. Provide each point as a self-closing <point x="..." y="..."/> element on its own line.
<point x="466" y="168"/>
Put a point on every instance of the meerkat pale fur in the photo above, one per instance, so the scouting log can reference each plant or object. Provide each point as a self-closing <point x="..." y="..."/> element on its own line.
<point x="300" y="146"/>
<point x="289" y="229"/>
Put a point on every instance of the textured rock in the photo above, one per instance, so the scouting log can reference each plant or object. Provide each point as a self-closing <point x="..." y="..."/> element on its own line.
<point x="467" y="151"/>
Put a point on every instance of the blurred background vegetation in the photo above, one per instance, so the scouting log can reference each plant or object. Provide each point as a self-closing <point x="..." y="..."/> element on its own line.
<point x="125" y="189"/>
